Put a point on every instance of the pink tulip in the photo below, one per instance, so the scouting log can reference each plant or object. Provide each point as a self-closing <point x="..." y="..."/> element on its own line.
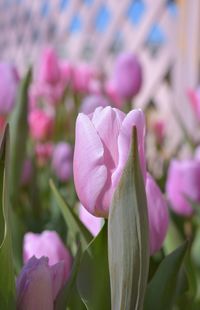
<point x="62" y="161"/>
<point x="41" y="123"/>
<point x="194" y="96"/>
<point x="92" y="223"/>
<point x="82" y="76"/>
<point x="44" y="152"/>
<point x="183" y="185"/>
<point x="9" y="81"/>
<point x="112" y="92"/>
<point x="39" y="284"/>
<point x="159" y="130"/>
<point x="127" y="75"/>
<point x="49" y="70"/>
<point x="90" y="103"/>
<point x="49" y="244"/>
<point x="101" y="151"/>
<point x="27" y="172"/>
<point x="157" y="214"/>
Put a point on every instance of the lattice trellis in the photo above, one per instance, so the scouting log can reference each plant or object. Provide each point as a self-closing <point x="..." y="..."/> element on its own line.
<point x="96" y="30"/>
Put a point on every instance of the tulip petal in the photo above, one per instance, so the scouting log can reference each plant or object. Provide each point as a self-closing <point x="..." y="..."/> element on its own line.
<point x="133" y="118"/>
<point x="90" y="173"/>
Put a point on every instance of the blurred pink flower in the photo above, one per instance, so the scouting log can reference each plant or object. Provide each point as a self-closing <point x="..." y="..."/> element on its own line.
<point x="183" y="185"/>
<point x="41" y="123"/>
<point x="112" y="92"/>
<point x="159" y="130"/>
<point x="91" y="102"/>
<point x="93" y="223"/>
<point x="49" y="244"/>
<point x="38" y="284"/>
<point x="62" y="161"/>
<point x="82" y="76"/>
<point x="44" y="152"/>
<point x="27" y="171"/>
<point x="9" y="81"/>
<point x="194" y="96"/>
<point x="49" y="70"/>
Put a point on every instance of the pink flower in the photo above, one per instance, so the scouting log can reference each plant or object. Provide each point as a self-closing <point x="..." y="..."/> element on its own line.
<point x="194" y="96"/>
<point x="49" y="70"/>
<point x="49" y="244"/>
<point x="112" y="92"/>
<point x="62" y="161"/>
<point x="157" y="213"/>
<point x="82" y="76"/>
<point x="92" y="223"/>
<point x="39" y="284"/>
<point x="27" y="172"/>
<point x="127" y="76"/>
<point x="41" y="123"/>
<point x="101" y="151"/>
<point x="90" y="103"/>
<point x="159" y="130"/>
<point x="183" y="185"/>
<point x="9" y="81"/>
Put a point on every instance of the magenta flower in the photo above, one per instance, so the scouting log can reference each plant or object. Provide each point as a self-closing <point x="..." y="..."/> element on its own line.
<point x="183" y="185"/>
<point x="41" y="123"/>
<point x="9" y="81"/>
<point x="49" y="244"/>
<point x="49" y="70"/>
<point x="82" y="76"/>
<point x="62" y="161"/>
<point x="90" y="103"/>
<point x="39" y="284"/>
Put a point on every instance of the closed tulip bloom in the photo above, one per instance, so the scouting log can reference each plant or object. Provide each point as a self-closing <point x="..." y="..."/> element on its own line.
<point x="93" y="223"/>
<point x="41" y="124"/>
<point x="90" y="103"/>
<point x="183" y="185"/>
<point x="157" y="214"/>
<point x="49" y="244"/>
<point x="39" y="284"/>
<point x="9" y="81"/>
<point x="102" y="146"/>
<point x="49" y="69"/>
<point x="82" y="76"/>
<point x="62" y="161"/>
<point x="127" y="75"/>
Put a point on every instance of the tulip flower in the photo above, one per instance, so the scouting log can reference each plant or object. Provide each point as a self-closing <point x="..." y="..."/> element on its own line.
<point x="101" y="150"/>
<point x="194" y="96"/>
<point x="39" y="284"/>
<point x="157" y="214"/>
<point x="9" y="81"/>
<point x="102" y="147"/>
<point x="90" y="103"/>
<point x="41" y="123"/>
<point x="62" y="161"/>
<point x="27" y="171"/>
<point x="49" y="70"/>
<point x="127" y="76"/>
<point x="49" y="244"/>
<point x="82" y="76"/>
<point x="183" y="185"/>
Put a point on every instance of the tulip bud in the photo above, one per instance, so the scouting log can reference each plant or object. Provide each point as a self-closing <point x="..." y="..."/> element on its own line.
<point x="49" y="244"/>
<point x="43" y="152"/>
<point x="82" y="76"/>
<point x="127" y="75"/>
<point x="92" y="223"/>
<point x="183" y="185"/>
<point x="90" y="103"/>
<point x="8" y="88"/>
<point x="62" y="161"/>
<point x="38" y="284"/>
<point x="101" y="150"/>
<point x="157" y="214"/>
<point x="41" y="123"/>
<point x="49" y="70"/>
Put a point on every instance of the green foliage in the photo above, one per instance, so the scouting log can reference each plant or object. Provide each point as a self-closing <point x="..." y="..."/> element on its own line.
<point x="162" y="289"/>
<point x="93" y="277"/>
<point x="7" y="280"/>
<point x="128" y="243"/>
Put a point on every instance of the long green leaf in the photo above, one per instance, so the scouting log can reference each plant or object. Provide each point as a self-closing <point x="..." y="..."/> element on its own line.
<point x="75" y="227"/>
<point x="93" y="277"/>
<point x="19" y="133"/>
<point x="128" y="242"/>
<point x="162" y="289"/>
<point x="7" y="279"/>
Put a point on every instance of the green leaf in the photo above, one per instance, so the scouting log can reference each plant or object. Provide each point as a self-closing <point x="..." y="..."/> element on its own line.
<point x="75" y="227"/>
<point x="128" y="242"/>
<point x="93" y="278"/>
<point x="162" y="290"/>
<point x="7" y="279"/>
<point x="68" y="297"/>
<point x="19" y="133"/>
